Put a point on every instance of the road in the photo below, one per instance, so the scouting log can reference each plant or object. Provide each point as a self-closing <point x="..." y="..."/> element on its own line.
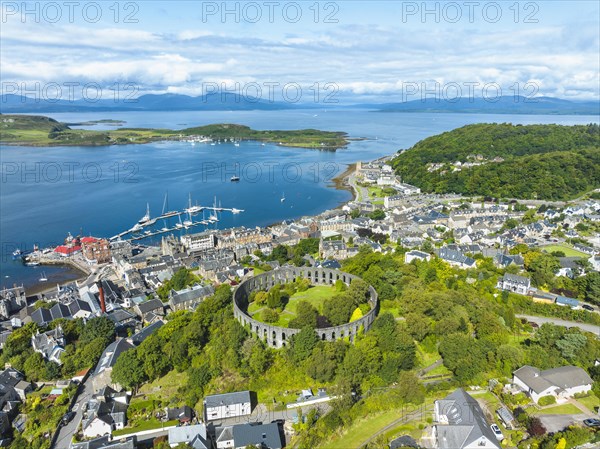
<point x="583" y="326"/>
<point x="65" y="433"/>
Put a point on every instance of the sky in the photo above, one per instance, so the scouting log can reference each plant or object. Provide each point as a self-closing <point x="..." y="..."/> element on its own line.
<point x="307" y="51"/>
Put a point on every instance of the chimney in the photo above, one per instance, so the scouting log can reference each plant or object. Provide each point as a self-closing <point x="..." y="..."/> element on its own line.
<point x="102" y="302"/>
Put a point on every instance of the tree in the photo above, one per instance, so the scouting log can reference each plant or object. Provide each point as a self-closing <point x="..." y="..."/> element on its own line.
<point x="302" y="344"/>
<point x="129" y="370"/>
<point x="535" y="427"/>
<point x="306" y="316"/>
<point x="269" y="315"/>
<point x="99" y="327"/>
<point x="377" y="215"/>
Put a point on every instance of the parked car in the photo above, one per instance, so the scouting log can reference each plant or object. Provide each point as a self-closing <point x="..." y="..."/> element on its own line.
<point x="497" y="432"/>
<point x="592" y="422"/>
<point x="588" y="307"/>
<point x="67" y="417"/>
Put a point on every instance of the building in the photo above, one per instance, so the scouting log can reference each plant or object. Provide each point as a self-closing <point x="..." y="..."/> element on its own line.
<point x="50" y="344"/>
<point x="101" y="377"/>
<point x="456" y="258"/>
<point x="12" y="300"/>
<point x="562" y="382"/>
<point x="105" y="442"/>
<point x="228" y="405"/>
<point x="199" y="242"/>
<point x="194" y="436"/>
<point x="460" y="423"/>
<point x="334" y="249"/>
<point x="416" y="255"/>
<point x="95" y="250"/>
<point x="106" y="411"/>
<point x="189" y="298"/>
<point x="514" y="283"/>
<point x="240" y="436"/>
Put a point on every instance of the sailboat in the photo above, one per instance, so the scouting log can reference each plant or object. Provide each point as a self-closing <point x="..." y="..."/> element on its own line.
<point x="283" y="197"/>
<point x="213" y="217"/>
<point x="43" y="278"/>
<point x="192" y="209"/>
<point x="170" y="213"/>
<point x="146" y="218"/>
<point x="179" y="224"/>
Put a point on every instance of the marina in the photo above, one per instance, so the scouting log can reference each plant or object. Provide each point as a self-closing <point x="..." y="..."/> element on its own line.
<point x="137" y="232"/>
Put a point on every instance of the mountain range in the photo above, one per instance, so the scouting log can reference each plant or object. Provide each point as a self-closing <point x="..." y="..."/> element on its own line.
<point x="10" y="103"/>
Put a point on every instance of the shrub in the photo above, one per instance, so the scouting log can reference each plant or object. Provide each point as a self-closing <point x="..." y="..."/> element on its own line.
<point x="547" y="400"/>
<point x="269" y="316"/>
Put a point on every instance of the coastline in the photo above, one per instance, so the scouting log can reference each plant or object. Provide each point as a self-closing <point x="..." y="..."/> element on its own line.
<point x="342" y="182"/>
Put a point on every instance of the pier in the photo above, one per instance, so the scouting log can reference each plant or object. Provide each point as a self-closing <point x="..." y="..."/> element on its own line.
<point x="137" y="232"/>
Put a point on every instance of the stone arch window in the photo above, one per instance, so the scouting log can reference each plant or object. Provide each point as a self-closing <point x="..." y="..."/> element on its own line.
<point x="333" y="335"/>
<point x="323" y="337"/>
<point x="283" y="336"/>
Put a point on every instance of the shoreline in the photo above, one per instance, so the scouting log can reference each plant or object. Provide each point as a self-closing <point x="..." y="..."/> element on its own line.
<point x="342" y="182"/>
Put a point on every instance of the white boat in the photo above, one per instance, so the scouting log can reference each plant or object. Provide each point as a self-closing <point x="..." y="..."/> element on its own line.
<point x="236" y="211"/>
<point x="32" y="264"/>
<point x="165" y="229"/>
<point x="234" y="178"/>
<point x="192" y="209"/>
<point x="283" y="197"/>
<point x="43" y="278"/>
<point x="236" y="144"/>
<point x="136" y="227"/>
<point x="146" y="218"/>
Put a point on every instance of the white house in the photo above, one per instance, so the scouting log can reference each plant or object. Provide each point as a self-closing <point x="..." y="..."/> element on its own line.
<point x="194" y="436"/>
<point x="562" y="382"/>
<point x="416" y="255"/>
<point x="514" y="283"/>
<point x="228" y="405"/>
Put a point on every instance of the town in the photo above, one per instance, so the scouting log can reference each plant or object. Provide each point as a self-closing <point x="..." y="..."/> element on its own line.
<point x="537" y="252"/>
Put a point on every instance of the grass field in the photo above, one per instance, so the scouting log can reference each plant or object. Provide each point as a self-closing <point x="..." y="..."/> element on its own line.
<point x="563" y="409"/>
<point x="314" y="295"/>
<point x="569" y="252"/>
<point x="591" y="402"/>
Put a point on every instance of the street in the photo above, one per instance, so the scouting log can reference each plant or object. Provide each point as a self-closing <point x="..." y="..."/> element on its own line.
<point x="583" y="326"/>
<point x="65" y="433"/>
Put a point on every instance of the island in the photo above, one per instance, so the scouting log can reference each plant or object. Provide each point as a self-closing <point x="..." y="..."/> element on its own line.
<point x="31" y="130"/>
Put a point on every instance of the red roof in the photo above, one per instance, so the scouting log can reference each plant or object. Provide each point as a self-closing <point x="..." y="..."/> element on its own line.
<point x="89" y="240"/>
<point x="62" y="249"/>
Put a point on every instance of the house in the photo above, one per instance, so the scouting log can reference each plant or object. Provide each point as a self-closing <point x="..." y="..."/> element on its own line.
<point x="182" y="414"/>
<point x="194" y="436"/>
<point x="106" y="411"/>
<point x="137" y="338"/>
<point x="241" y="436"/>
<point x="101" y="377"/>
<point x="12" y="300"/>
<point x="460" y="423"/>
<point x="562" y="382"/>
<point x="50" y="344"/>
<point x="416" y="255"/>
<point x="189" y="298"/>
<point x="154" y="306"/>
<point x="455" y="258"/>
<point x="514" y="283"/>
<point x="228" y="405"/>
<point x="333" y="249"/>
<point x="105" y="442"/>
<point x="13" y="387"/>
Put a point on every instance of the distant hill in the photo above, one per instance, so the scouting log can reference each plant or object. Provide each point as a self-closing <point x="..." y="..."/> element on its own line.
<point x="10" y="103"/>
<point x="551" y="162"/>
<point x="504" y="105"/>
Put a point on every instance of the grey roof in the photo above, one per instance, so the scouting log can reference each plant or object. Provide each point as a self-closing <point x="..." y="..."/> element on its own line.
<point x="466" y="422"/>
<point x="561" y="377"/>
<point x="104" y="442"/>
<point x="41" y="316"/>
<point x="60" y="311"/>
<point x="515" y="278"/>
<point x="455" y="256"/>
<point x="264" y="435"/>
<point x="217" y="400"/>
<point x="194" y="435"/>
<point x="111" y="353"/>
<point x="150" y="305"/>
<point x="77" y="305"/>
<point x="140" y="336"/>
<point x="191" y="294"/>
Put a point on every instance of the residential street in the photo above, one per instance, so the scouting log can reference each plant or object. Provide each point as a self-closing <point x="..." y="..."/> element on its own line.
<point x="66" y="432"/>
<point x="583" y="326"/>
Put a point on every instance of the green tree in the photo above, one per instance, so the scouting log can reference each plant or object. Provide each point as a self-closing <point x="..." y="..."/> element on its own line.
<point x="302" y="344"/>
<point x="129" y="370"/>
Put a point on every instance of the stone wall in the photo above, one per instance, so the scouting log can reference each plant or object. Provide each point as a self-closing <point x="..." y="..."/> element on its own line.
<point x="276" y="336"/>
